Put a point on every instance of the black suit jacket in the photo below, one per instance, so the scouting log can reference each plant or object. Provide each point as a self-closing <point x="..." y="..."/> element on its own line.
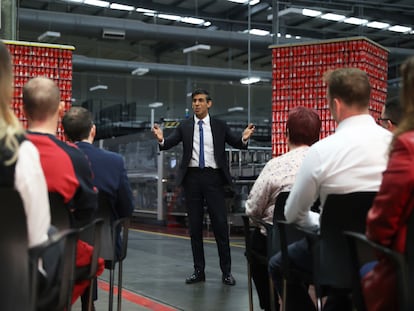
<point x="221" y="135"/>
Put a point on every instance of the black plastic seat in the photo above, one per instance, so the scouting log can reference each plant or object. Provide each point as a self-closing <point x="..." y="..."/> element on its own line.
<point x="331" y="256"/>
<point x="14" y="268"/>
<point x="62" y="218"/>
<point x="60" y="215"/>
<point x="114" y="245"/>
<point x="363" y="251"/>
<point x="272" y="244"/>
<point x="58" y="295"/>
<point x="286" y="234"/>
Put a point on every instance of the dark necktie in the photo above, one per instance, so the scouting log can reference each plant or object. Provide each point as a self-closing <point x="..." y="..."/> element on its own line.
<point x="201" y="157"/>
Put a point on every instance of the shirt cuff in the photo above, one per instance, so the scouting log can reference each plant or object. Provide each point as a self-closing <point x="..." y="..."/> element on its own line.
<point x="161" y="143"/>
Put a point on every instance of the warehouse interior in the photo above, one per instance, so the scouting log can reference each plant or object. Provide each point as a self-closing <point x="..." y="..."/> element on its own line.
<point x="143" y="52"/>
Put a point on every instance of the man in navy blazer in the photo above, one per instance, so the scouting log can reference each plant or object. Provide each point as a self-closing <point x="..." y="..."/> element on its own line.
<point x="110" y="176"/>
<point x="203" y="173"/>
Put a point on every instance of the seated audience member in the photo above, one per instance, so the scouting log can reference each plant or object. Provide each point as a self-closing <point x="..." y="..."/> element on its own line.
<point x="110" y="176"/>
<point x="20" y="166"/>
<point x="394" y="203"/>
<point x="302" y="130"/>
<point x="66" y="168"/>
<point x="391" y="114"/>
<point x="352" y="159"/>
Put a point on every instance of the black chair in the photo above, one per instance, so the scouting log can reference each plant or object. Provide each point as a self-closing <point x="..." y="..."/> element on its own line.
<point x="113" y="249"/>
<point x="286" y="234"/>
<point x="273" y="241"/>
<point x="331" y="257"/>
<point x="14" y="268"/>
<point x="60" y="214"/>
<point x="62" y="218"/>
<point x="92" y="234"/>
<point x="251" y="256"/>
<point x="57" y="295"/>
<point x="363" y="250"/>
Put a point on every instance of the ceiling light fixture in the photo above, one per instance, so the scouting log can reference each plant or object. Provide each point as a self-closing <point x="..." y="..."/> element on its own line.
<point x="139" y="71"/>
<point x="123" y="7"/>
<point x="378" y="25"/>
<point x="98" y="87"/>
<point x="249" y="80"/>
<point x="333" y="17"/>
<point x="196" y="48"/>
<point x="399" y="28"/>
<point x="155" y="105"/>
<point x="251" y="2"/>
<point x="311" y="13"/>
<point x="192" y="20"/>
<point x="234" y="109"/>
<point x="355" y="21"/>
<point x="100" y="3"/>
<point x="257" y="32"/>
<point x="47" y="35"/>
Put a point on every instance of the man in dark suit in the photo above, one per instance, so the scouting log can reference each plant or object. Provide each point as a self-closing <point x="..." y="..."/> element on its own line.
<point x="203" y="173"/>
<point x="110" y="176"/>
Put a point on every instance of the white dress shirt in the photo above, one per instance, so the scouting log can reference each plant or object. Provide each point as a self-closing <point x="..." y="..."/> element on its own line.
<point x="209" y="160"/>
<point x="30" y="182"/>
<point x="352" y="159"/>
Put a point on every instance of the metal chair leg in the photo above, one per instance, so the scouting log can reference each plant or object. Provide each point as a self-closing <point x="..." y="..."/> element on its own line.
<point x="249" y="285"/>
<point x="271" y="294"/>
<point x="284" y="295"/>
<point x="111" y="289"/>
<point x="119" y="285"/>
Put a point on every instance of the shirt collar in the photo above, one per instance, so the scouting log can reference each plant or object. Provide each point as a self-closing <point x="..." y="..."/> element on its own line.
<point x="206" y="120"/>
<point x="362" y="119"/>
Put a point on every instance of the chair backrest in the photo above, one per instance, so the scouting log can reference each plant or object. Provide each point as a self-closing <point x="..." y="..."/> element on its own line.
<point x="341" y="212"/>
<point x="284" y="233"/>
<point x="61" y="217"/>
<point x="92" y="234"/>
<point x="114" y="238"/>
<point x="249" y="252"/>
<point x="56" y="293"/>
<point x="14" y="267"/>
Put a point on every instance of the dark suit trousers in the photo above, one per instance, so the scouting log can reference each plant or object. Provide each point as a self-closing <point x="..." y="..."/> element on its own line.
<point x="207" y="185"/>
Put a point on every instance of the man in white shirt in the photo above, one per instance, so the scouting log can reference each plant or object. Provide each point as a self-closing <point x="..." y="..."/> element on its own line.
<point x="350" y="160"/>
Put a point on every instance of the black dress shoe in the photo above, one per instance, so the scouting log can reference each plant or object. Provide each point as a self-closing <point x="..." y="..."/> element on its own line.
<point x="228" y="279"/>
<point x="196" y="277"/>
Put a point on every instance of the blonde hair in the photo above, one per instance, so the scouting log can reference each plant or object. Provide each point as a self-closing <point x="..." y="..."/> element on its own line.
<point x="10" y="127"/>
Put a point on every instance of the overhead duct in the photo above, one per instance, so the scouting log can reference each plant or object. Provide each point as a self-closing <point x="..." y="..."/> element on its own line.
<point x="83" y="63"/>
<point x="88" y="25"/>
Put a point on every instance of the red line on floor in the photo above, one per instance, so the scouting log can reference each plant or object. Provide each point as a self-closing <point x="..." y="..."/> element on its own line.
<point x="136" y="299"/>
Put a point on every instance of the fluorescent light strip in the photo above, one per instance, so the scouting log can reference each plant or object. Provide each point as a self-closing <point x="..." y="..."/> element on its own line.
<point x="257" y="32"/>
<point x="378" y="25"/>
<point x="123" y="7"/>
<point x="98" y="87"/>
<point x="333" y="17"/>
<point x="250" y="80"/>
<point x="399" y="28"/>
<point x="102" y="4"/>
<point x="355" y="21"/>
<point x="311" y="13"/>
<point x="251" y="2"/>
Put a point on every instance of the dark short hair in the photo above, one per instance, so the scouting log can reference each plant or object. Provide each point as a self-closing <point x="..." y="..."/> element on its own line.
<point x="351" y="85"/>
<point x="393" y="110"/>
<point x="303" y="126"/>
<point x="77" y="123"/>
<point x="202" y="92"/>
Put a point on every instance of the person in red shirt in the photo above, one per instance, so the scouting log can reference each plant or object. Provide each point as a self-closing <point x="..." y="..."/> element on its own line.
<point x="66" y="168"/>
<point x="394" y="203"/>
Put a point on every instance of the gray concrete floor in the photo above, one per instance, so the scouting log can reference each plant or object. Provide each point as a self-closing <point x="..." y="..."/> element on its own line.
<point x="157" y="265"/>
